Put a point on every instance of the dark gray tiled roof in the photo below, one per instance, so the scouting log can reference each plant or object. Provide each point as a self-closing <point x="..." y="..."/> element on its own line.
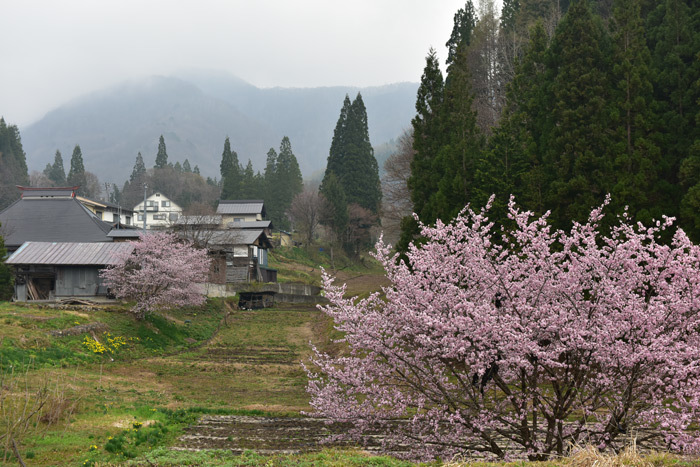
<point x="56" y="253"/>
<point x="51" y="220"/>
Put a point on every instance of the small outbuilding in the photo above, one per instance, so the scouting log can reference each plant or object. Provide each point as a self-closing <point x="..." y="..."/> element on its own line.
<point x="56" y="270"/>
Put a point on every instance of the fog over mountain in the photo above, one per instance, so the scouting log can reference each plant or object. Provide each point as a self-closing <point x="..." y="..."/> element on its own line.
<point x="195" y="111"/>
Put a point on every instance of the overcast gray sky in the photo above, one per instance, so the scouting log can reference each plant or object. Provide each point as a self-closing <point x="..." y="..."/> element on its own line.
<point x="54" y="51"/>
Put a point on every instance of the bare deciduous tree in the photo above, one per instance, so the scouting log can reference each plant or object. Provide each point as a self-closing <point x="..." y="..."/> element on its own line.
<point x="93" y="187"/>
<point x="305" y="213"/>
<point x="39" y="179"/>
<point x="396" y="202"/>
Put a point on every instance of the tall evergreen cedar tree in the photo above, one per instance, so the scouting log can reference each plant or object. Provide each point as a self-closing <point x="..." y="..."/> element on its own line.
<point x="139" y="169"/>
<point x="13" y="163"/>
<point x="577" y="145"/>
<point x="76" y="174"/>
<point x="55" y="172"/>
<point x="447" y="141"/>
<point x="636" y="156"/>
<point x="279" y="184"/>
<point x="604" y="100"/>
<point x="351" y="157"/>
<point x="231" y="173"/>
<point x="162" y="156"/>
<point x="288" y="182"/>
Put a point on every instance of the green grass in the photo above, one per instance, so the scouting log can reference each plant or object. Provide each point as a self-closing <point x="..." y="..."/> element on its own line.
<point x="295" y="264"/>
<point x="25" y="339"/>
<point x="326" y="457"/>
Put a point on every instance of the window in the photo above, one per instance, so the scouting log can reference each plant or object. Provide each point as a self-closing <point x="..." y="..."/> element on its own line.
<point x="165" y="204"/>
<point x="238" y="219"/>
<point x="140" y="217"/>
<point x="158" y="217"/>
<point x="115" y="218"/>
<point x="172" y="216"/>
<point x="99" y="214"/>
<point x="128" y="220"/>
<point x="151" y="204"/>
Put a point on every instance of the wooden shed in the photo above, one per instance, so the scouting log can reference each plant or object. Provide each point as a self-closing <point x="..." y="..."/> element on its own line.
<point x="54" y="270"/>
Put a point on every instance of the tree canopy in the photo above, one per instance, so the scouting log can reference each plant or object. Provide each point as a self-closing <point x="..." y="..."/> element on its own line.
<point x="527" y="338"/>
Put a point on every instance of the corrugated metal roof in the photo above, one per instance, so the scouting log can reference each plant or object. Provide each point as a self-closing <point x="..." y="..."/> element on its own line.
<point x="240" y="207"/>
<point x="198" y="220"/>
<point x="234" y="237"/>
<point x="58" y="253"/>
<point x="125" y="233"/>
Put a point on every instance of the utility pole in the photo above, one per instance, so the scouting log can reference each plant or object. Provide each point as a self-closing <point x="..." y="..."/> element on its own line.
<point x="144" y="207"/>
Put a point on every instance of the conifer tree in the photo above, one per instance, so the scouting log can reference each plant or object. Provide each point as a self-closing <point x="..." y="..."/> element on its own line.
<point x="577" y="146"/>
<point x="186" y="167"/>
<point x="13" y="163"/>
<point x="674" y="39"/>
<point x="636" y="156"/>
<point x="270" y="167"/>
<point x="335" y="214"/>
<point x="361" y="171"/>
<point x="457" y="158"/>
<point x="231" y="173"/>
<point x="427" y="139"/>
<point x="196" y="170"/>
<point x="76" y="174"/>
<point x="351" y="157"/>
<point x="289" y="182"/>
<point x="162" y="156"/>
<point x="464" y="23"/>
<point x="339" y="143"/>
<point x="509" y="13"/>
<point x="139" y="169"/>
<point x="513" y="164"/>
<point x="251" y="183"/>
<point x="178" y="167"/>
<point x="56" y="173"/>
<point x="272" y="186"/>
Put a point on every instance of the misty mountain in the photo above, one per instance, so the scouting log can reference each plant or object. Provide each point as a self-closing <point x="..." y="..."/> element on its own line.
<point x="195" y="111"/>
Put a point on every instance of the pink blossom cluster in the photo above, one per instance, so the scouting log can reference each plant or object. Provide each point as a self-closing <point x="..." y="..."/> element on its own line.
<point x="162" y="271"/>
<point x="521" y="342"/>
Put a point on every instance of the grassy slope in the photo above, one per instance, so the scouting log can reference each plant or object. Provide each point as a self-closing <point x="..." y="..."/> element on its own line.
<point x="172" y="369"/>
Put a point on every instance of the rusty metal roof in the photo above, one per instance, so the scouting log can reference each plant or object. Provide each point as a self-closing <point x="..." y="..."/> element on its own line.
<point x="59" y="253"/>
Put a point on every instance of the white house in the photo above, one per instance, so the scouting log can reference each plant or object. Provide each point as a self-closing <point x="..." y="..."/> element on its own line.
<point x="160" y="212"/>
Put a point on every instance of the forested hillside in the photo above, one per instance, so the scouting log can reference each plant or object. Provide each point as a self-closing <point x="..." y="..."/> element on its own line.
<point x="561" y="105"/>
<point x="196" y="112"/>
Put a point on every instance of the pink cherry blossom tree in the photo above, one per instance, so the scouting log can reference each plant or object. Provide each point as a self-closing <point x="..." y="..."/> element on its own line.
<point x="520" y="342"/>
<point x="162" y="271"/>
